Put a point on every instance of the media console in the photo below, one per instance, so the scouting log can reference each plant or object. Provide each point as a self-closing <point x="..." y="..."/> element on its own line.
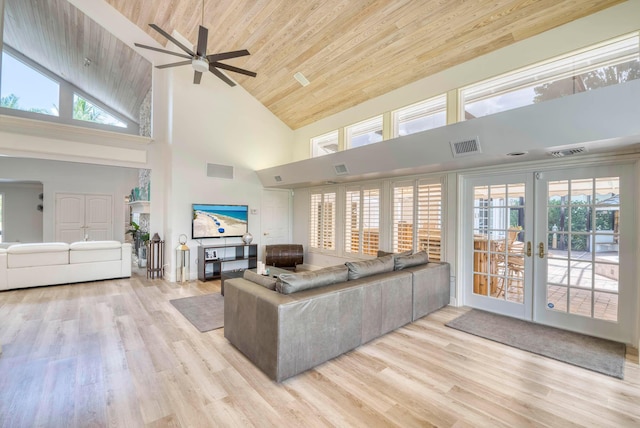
<point x="212" y="259"/>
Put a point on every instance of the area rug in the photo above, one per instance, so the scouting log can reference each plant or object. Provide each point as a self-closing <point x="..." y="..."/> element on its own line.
<point x="600" y="355"/>
<point x="205" y="312"/>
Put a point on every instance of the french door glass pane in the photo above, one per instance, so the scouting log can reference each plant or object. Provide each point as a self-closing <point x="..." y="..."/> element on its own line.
<point x="498" y="215"/>
<point x="583" y="260"/>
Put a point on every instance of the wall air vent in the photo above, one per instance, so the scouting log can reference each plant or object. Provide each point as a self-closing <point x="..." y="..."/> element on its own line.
<point x="341" y="169"/>
<point x="277" y="178"/>
<point x="219" y="171"/>
<point x="568" y="152"/>
<point x="467" y="147"/>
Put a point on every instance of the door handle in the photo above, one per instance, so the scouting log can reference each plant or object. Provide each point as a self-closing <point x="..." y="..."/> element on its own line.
<point x="528" y="248"/>
<point x="541" y="250"/>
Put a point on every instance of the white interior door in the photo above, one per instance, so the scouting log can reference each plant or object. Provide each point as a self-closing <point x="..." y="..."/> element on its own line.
<point x="98" y="216"/>
<point x="83" y="216"/>
<point x="497" y="230"/>
<point x="69" y="222"/>
<point x="585" y="243"/>
<point x="276" y="223"/>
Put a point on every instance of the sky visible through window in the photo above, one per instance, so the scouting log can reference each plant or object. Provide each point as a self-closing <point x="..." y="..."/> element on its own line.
<point x="34" y="91"/>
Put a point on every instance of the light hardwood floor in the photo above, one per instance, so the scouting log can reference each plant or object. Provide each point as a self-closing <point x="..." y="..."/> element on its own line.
<point x="116" y="353"/>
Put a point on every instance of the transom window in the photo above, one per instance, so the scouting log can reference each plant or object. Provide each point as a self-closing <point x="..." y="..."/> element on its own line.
<point x="364" y="133"/>
<point x="421" y="116"/>
<point x="606" y="64"/>
<point x="324" y="144"/>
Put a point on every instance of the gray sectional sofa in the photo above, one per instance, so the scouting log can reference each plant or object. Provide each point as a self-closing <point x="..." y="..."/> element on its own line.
<point x="300" y="320"/>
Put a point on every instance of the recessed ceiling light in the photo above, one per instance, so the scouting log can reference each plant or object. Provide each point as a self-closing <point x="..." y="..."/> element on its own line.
<point x="301" y="79"/>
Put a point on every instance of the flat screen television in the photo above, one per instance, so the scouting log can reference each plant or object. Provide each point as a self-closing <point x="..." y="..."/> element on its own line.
<point x="219" y="221"/>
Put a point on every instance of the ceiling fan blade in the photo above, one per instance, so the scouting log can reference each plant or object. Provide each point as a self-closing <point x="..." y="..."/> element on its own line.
<point x="162" y="50"/>
<point x="234" y="69"/>
<point x="174" y="41"/>
<point x="174" y="64"/>
<point x="203" y="34"/>
<point x="227" y="55"/>
<point x="196" y="77"/>
<point x="222" y="77"/>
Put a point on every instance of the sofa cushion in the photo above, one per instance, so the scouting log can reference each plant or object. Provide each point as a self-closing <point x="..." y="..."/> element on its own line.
<point x="38" y="247"/>
<point x="419" y="258"/>
<point x="288" y="283"/>
<point x="94" y="245"/>
<point x="366" y="268"/>
<point x="37" y="254"/>
<point x="265" y="281"/>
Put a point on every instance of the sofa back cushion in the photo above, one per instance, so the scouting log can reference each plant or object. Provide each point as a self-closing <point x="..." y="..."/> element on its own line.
<point x="37" y="254"/>
<point x="94" y="251"/>
<point x="366" y="268"/>
<point x="419" y="258"/>
<point x="266" y="281"/>
<point x="288" y="283"/>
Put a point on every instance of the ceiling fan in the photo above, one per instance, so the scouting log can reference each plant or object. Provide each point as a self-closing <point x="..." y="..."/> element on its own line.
<point x="199" y="60"/>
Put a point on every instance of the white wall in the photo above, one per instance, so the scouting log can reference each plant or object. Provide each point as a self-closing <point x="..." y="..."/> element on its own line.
<point x="21" y="220"/>
<point x="70" y="177"/>
<point x="215" y="123"/>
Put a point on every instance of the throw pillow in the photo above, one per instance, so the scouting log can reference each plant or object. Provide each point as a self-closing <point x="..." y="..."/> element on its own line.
<point x="288" y="283"/>
<point x="415" y="259"/>
<point x="370" y="267"/>
<point x="265" y="281"/>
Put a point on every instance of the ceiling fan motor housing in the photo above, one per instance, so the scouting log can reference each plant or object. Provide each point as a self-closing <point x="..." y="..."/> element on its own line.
<point x="200" y="64"/>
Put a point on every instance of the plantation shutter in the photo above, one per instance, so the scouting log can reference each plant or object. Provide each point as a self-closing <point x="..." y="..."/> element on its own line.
<point x="403" y="217"/>
<point x="430" y="219"/>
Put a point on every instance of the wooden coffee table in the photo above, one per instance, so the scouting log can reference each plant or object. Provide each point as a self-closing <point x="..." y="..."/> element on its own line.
<point x="273" y="271"/>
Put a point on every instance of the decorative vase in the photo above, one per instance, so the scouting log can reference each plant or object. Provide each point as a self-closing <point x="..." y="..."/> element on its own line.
<point x="247" y="238"/>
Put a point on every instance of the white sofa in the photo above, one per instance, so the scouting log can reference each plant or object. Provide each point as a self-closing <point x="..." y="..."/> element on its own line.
<point x="50" y="263"/>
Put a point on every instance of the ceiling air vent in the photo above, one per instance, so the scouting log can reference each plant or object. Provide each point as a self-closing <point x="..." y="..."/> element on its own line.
<point x="341" y="169"/>
<point x="277" y="178"/>
<point x="568" y="152"/>
<point x="470" y="146"/>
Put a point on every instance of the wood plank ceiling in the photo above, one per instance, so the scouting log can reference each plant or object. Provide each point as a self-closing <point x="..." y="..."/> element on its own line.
<point x="350" y="50"/>
<point x="59" y="37"/>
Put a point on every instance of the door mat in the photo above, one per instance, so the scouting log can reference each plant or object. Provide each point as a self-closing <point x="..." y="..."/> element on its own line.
<point x="599" y="355"/>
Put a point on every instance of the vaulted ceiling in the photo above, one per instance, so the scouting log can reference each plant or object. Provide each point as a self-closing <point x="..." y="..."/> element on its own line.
<point x="350" y="50"/>
<point x="56" y="35"/>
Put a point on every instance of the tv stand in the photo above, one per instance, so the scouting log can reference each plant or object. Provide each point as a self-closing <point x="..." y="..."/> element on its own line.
<point x="212" y="259"/>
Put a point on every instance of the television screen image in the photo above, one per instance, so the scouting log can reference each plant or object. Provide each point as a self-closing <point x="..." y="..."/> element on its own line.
<point x="219" y="221"/>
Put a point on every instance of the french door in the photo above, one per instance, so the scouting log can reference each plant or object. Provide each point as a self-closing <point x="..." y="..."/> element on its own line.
<point x="499" y="231"/>
<point x="585" y="271"/>
<point x="554" y="247"/>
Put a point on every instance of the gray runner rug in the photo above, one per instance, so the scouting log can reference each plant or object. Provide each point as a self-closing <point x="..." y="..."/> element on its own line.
<point x="600" y="355"/>
<point x="205" y="312"/>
